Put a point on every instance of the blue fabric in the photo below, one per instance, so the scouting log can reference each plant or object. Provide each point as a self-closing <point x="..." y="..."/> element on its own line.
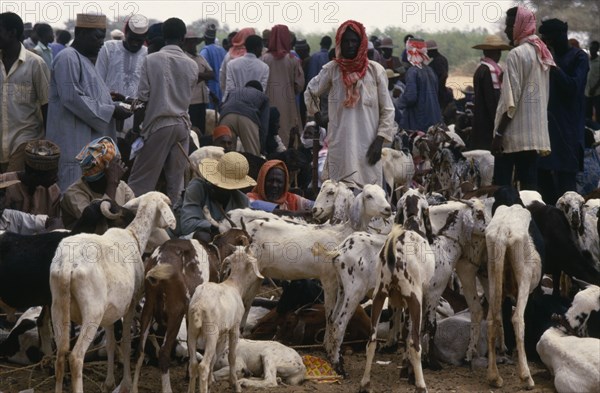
<point x="214" y="55"/>
<point x="587" y="181"/>
<point x="566" y="119"/>
<point x="420" y="100"/>
<point x="317" y="61"/>
<point x="264" y="205"/>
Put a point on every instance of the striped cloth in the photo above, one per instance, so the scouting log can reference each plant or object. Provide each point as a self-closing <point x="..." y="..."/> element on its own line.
<point x="524" y="96"/>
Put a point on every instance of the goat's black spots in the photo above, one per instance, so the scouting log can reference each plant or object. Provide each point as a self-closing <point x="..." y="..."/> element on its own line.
<point x="412" y="206"/>
<point x="450" y="221"/>
<point x="350" y="270"/>
<point x="360" y="261"/>
<point x="343" y="265"/>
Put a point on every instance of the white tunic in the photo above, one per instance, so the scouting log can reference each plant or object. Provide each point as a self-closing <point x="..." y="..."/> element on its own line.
<point x="352" y="130"/>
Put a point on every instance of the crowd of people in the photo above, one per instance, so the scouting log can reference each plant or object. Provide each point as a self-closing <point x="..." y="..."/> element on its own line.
<point x="67" y="105"/>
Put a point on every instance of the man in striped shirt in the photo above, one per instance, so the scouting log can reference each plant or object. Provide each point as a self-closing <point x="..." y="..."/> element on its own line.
<point x="521" y="125"/>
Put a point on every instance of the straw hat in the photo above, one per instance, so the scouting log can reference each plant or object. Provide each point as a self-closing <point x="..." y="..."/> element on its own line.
<point x="493" y="42"/>
<point x="230" y="172"/>
<point x="391" y="74"/>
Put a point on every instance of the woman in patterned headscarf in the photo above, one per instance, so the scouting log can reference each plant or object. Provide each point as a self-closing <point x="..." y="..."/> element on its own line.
<point x="361" y="113"/>
<point x="286" y="80"/>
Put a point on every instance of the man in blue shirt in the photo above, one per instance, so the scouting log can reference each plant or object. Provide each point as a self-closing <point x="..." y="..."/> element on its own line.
<point x="319" y="59"/>
<point x="214" y="54"/>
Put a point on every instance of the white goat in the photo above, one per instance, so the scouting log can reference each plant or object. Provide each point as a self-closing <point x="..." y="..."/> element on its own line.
<point x="404" y="269"/>
<point x="512" y="253"/>
<point x="573" y="360"/>
<point x="271" y="359"/>
<point x="485" y="161"/>
<point x="398" y="168"/>
<point x="96" y="280"/>
<point x="333" y="202"/>
<point x="583" y="220"/>
<point x="290" y="251"/>
<point x="215" y="313"/>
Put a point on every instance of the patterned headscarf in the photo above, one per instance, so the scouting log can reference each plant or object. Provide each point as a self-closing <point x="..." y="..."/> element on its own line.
<point x="238" y="47"/>
<point x="352" y="69"/>
<point x="524" y="31"/>
<point x="280" y="41"/>
<point x="94" y="157"/>
<point x="416" y="52"/>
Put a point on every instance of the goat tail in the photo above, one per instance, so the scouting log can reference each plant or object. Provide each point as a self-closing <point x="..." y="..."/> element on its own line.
<point x="60" y="286"/>
<point x="159" y="273"/>
<point x="319" y="250"/>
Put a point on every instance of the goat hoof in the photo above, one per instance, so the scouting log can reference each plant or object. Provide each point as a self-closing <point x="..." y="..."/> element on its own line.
<point x="496" y="382"/>
<point x="421" y="390"/>
<point x="339" y="369"/>
<point x="366" y="388"/>
<point x="530" y="383"/>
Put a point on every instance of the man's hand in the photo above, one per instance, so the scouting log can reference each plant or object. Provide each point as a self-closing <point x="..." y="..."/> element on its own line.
<point x="114" y="171"/>
<point x="121" y="113"/>
<point x="374" y="152"/>
<point x="320" y="119"/>
<point x="117" y="96"/>
<point x="497" y="145"/>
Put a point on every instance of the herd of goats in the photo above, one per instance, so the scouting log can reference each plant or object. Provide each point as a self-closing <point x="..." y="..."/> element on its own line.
<point x="498" y="242"/>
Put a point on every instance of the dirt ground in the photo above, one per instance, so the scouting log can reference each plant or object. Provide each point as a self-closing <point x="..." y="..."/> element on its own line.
<point x="384" y="378"/>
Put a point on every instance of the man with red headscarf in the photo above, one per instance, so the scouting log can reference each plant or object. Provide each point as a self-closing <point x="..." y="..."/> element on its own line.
<point x="361" y="112"/>
<point x="521" y="126"/>
<point x="286" y="79"/>
<point x="238" y="49"/>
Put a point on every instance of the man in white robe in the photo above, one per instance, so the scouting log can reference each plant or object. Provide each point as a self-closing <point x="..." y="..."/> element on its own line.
<point x="80" y="106"/>
<point x="119" y="63"/>
<point x="361" y="112"/>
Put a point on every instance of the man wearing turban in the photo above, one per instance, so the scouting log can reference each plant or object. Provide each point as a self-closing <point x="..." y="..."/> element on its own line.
<point x="361" y="113"/>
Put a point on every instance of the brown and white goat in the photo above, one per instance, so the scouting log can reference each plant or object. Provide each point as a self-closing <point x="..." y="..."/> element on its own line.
<point x="173" y="272"/>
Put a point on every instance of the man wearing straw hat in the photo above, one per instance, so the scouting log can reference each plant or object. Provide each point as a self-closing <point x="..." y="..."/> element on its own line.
<point x="218" y="190"/>
<point x="80" y="107"/>
<point x="486" y="83"/>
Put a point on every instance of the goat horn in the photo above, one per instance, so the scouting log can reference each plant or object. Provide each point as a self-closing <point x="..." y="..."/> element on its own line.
<point x="209" y="217"/>
<point x="243" y="224"/>
<point x="227" y="217"/>
<point x="105" y="209"/>
<point x="465" y="201"/>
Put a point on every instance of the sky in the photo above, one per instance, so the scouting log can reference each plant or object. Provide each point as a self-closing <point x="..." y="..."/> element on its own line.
<point x="301" y="15"/>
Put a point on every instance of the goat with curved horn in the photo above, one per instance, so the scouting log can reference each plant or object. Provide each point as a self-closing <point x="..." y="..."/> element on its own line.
<point x="106" y="212"/>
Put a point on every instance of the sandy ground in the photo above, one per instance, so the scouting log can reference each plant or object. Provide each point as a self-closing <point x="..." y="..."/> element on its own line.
<point x="384" y="378"/>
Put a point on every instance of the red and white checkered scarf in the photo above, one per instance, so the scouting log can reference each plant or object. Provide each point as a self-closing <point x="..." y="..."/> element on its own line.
<point x="352" y="69"/>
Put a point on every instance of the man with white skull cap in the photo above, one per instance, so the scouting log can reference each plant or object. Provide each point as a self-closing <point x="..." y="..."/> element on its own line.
<point x="119" y="62"/>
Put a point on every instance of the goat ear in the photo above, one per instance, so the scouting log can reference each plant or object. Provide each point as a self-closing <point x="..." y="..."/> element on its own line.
<point x="355" y="210"/>
<point x="133" y="204"/>
<point x="399" y="219"/>
<point x="167" y="217"/>
<point x="428" y="229"/>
